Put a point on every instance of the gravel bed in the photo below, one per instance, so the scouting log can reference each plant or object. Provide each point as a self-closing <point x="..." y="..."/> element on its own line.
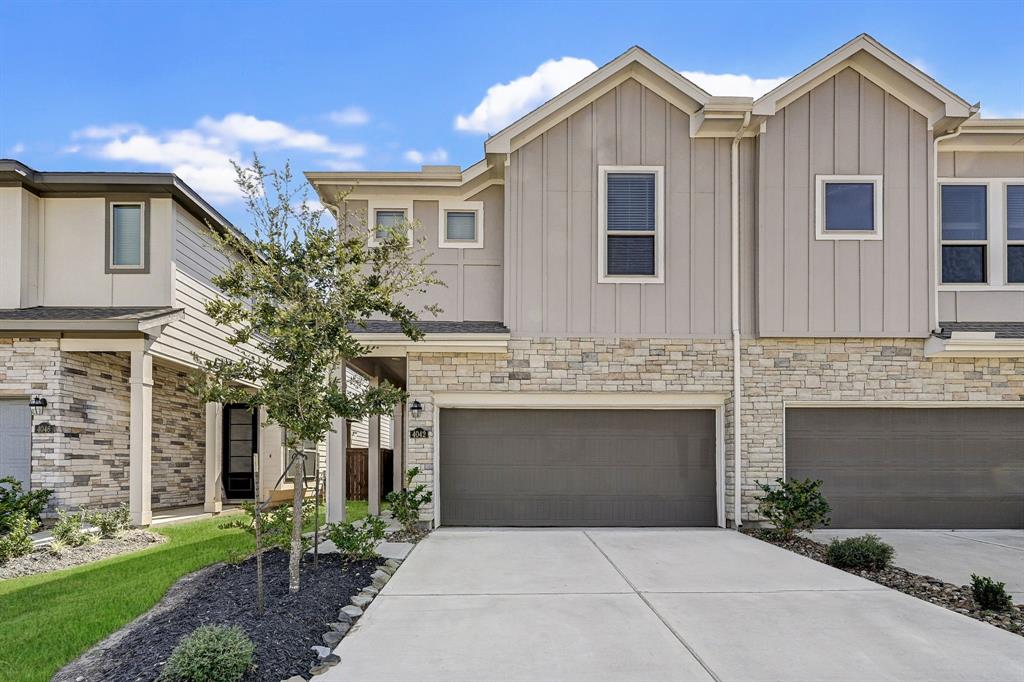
<point x="42" y="560"/>
<point x="953" y="597"/>
<point x="413" y="536"/>
<point x="225" y="594"/>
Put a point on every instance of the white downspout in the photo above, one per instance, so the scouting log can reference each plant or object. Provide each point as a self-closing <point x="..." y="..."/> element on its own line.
<point x="937" y="247"/>
<point x="737" y="381"/>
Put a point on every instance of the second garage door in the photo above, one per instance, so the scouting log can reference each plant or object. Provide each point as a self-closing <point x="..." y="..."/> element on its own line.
<point x="577" y="467"/>
<point x="912" y="467"/>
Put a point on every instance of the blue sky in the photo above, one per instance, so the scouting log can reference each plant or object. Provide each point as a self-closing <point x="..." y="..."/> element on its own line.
<point x="185" y="86"/>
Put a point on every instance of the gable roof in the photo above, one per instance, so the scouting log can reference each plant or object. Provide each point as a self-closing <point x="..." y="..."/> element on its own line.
<point x="634" y="63"/>
<point x="881" y="65"/>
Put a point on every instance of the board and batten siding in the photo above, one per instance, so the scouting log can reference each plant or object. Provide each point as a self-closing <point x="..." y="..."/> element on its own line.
<point x="807" y="287"/>
<point x="974" y="305"/>
<point x="197" y="259"/>
<point x="551" y="285"/>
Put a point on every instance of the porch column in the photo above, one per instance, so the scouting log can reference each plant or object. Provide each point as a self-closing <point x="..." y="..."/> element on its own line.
<point x="337" y="460"/>
<point x="398" y="446"/>
<point x="214" y="457"/>
<point x="373" y="467"/>
<point x="140" y="439"/>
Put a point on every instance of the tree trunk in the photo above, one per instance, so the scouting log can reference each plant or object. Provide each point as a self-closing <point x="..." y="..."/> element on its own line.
<point x="259" y="556"/>
<point x="299" y="469"/>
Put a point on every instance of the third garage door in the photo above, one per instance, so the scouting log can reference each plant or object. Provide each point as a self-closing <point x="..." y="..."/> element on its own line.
<point x="912" y="467"/>
<point x="577" y="467"/>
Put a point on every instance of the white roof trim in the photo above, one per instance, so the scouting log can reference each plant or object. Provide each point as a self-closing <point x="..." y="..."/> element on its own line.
<point x="952" y="104"/>
<point x="973" y="345"/>
<point x="397" y="344"/>
<point x="623" y="67"/>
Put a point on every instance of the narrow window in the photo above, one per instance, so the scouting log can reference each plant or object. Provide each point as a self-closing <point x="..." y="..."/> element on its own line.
<point x="964" y="234"/>
<point x="631" y="224"/>
<point x="849" y="207"/>
<point x="126" y="236"/>
<point x="1015" y="234"/>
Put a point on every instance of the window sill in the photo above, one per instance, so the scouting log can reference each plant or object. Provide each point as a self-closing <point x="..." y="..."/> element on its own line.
<point x="630" y="279"/>
<point x="982" y="287"/>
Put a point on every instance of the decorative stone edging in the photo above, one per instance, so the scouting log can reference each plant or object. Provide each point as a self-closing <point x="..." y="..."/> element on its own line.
<point x="347" y="617"/>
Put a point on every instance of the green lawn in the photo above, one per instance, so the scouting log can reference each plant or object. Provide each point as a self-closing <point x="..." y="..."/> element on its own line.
<point x="48" y="620"/>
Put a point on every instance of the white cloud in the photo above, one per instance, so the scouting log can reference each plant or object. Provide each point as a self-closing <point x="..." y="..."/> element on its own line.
<point x="350" y="116"/>
<point x="439" y="155"/>
<point x="921" y="65"/>
<point x="733" y="84"/>
<point x="506" y="102"/>
<point x="17" y="148"/>
<point x="202" y="155"/>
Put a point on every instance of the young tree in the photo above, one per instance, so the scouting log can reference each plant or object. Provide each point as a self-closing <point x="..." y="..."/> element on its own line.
<point x="289" y="304"/>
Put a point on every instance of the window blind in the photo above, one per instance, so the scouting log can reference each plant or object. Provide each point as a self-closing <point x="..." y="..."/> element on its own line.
<point x="126" y="235"/>
<point x="386" y="220"/>
<point x="460" y="226"/>
<point x="631" y="202"/>
<point x="1015" y="212"/>
<point x="964" y="210"/>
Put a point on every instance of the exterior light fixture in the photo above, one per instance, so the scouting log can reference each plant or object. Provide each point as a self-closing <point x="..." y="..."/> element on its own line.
<point x="37" y="404"/>
<point x="415" y="409"/>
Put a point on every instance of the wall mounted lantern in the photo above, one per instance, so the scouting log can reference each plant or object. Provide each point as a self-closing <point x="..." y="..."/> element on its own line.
<point x="37" y="404"/>
<point x="415" y="409"/>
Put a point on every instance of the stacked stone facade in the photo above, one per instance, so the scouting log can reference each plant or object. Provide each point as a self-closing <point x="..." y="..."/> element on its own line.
<point x="84" y="457"/>
<point x="775" y="372"/>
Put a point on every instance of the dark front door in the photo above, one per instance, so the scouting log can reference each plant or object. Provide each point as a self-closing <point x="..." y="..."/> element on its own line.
<point x="240" y="443"/>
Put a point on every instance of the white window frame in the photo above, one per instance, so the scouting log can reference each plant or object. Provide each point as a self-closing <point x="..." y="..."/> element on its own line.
<point x="1005" y="214"/>
<point x="820" y="233"/>
<point x="374" y="205"/>
<point x="444" y="207"/>
<point x="995" y="254"/>
<point x="602" y="226"/>
<point x="142" y="238"/>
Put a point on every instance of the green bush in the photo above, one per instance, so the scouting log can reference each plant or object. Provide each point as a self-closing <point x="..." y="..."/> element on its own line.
<point x="356" y="543"/>
<point x="68" y="529"/>
<point x="112" y="522"/>
<point x="864" y="553"/>
<point x="211" y="653"/>
<point x="17" y="540"/>
<point x="989" y="594"/>
<point x="406" y="503"/>
<point x="14" y="499"/>
<point x="793" y="505"/>
<point x="276" y="524"/>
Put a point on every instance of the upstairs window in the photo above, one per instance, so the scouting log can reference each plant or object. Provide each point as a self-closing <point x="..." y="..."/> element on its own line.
<point x="848" y="207"/>
<point x="630" y="224"/>
<point x="1015" y="234"/>
<point x="384" y="215"/>
<point x="460" y="224"/>
<point x="385" y="220"/>
<point x="126" y="237"/>
<point x="964" y="234"/>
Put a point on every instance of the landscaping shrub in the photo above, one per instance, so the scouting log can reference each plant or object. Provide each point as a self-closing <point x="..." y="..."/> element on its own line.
<point x="13" y="499"/>
<point x="863" y="553"/>
<point x="112" y="522"/>
<point x="17" y="540"/>
<point x="793" y="505"/>
<point x="276" y="524"/>
<point x="68" y="529"/>
<point x="356" y="543"/>
<point x="989" y="594"/>
<point x="212" y="653"/>
<point x="406" y="503"/>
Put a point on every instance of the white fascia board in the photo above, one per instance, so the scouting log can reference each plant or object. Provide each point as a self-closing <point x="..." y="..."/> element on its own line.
<point x="971" y="346"/>
<point x="399" y="345"/>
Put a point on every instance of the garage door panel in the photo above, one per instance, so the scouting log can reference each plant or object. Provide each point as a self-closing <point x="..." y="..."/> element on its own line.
<point x="912" y="467"/>
<point x="577" y="467"/>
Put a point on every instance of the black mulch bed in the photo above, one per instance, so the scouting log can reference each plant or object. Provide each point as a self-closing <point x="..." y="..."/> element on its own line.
<point x="225" y="594"/>
<point x="947" y="595"/>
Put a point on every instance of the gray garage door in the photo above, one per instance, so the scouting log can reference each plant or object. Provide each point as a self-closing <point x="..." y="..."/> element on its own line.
<point x="912" y="467"/>
<point x="15" y="439"/>
<point x="577" y="467"/>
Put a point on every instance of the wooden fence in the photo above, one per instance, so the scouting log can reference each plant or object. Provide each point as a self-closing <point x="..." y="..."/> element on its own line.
<point x="357" y="473"/>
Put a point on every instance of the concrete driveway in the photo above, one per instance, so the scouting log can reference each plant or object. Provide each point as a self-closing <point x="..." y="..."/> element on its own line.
<point x="953" y="555"/>
<point x="653" y="605"/>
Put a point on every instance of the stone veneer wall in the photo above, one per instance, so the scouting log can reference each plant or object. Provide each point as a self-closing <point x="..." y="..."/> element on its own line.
<point x="179" y="440"/>
<point x="774" y="371"/>
<point x="85" y="460"/>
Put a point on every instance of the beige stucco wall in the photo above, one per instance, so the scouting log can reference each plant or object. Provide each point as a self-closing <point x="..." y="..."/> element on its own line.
<point x="775" y="372"/>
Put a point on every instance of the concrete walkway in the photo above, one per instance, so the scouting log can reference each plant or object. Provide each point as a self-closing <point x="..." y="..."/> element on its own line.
<point x="953" y="555"/>
<point x="653" y="605"/>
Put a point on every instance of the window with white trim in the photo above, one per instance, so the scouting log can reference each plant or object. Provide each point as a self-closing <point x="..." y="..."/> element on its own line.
<point x="1015" y="234"/>
<point x="964" y="221"/>
<point x="127" y="236"/>
<point x="848" y="207"/>
<point x="384" y="216"/>
<point x="630" y="224"/>
<point x="460" y="224"/>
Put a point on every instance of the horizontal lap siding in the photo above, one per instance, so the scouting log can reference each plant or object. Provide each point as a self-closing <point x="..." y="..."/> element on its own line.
<point x="551" y="283"/>
<point x="810" y="287"/>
